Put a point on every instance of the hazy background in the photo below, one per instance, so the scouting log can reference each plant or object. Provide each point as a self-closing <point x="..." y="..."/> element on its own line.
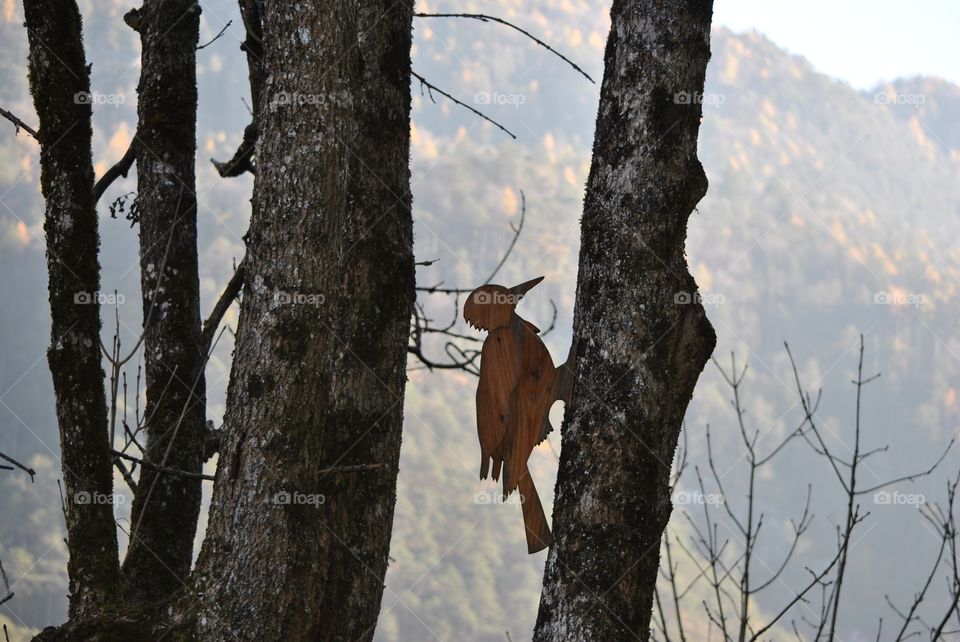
<point x="831" y="141"/>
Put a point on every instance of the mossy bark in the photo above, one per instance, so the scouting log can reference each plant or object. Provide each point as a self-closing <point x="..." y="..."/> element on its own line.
<point x="166" y="507"/>
<point x="60" y="85"/>
<point x="641" y="337"/>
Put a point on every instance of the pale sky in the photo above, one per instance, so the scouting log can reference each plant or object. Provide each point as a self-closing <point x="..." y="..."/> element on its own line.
<point x="862" y="42"/>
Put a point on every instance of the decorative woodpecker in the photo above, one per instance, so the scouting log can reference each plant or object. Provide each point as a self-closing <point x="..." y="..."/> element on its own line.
<point x="518" y="385"/>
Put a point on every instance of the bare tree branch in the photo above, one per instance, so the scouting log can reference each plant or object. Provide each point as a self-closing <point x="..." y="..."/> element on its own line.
<point x="216" y="37"/>
<point x="421" y="325"/>
<point x="26" y="469"/>
<point x="797" y="597"/>
<point x="516" y="234"/>
<point x="7" y="593"/>
<point x="19" y="124"/>
<point x="160" y="467"/>
<point x="242" y="160"/>
<point x="431" y="88"/>
<point x="121" y="168"/>
<point x="485" y="18"/>
<point x="229" y="295"/>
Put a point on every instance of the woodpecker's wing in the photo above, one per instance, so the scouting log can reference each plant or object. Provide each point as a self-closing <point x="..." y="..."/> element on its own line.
<point x="500" y="367"/>
<point x="530" y="404"/>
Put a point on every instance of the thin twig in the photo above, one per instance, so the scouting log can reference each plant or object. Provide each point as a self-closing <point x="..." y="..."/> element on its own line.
<point x="126" y="474"/>
<point x="19" y="124"/>
<point x="26" y="469"/>
<point x="63" y="506"/>
<point x="852" y="507"/>
<point x="797" y="597"/>
<point x="516" y="234"/>
<point x="216" y="37"/>
<point x="485" y="18"/>
<point x="913" y="476"/>
<point x="460" y="359"/>
<point x="809" y="413"/>
<point x="118" y="362"/>
<point x="120" y="168"/>
<point x="431" y="87"/>
<point x="3" y="576"/>
<point x="164" y="469"/>
<point x="230" y="293"/>
<point x="174" y="429"/>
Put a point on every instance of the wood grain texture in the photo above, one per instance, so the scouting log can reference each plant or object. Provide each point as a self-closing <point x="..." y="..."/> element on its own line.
<point x="518" y="385"/>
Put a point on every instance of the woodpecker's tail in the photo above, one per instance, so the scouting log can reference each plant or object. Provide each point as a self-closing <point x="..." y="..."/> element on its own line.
<point x="534" y="519"/>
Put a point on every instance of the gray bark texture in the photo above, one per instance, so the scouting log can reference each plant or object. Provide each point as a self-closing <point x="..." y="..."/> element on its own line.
<point x="294" y="551"/>
<point x="60" y="85"/>
<point x="641" y="337"/>
<point x="166" y="507"/>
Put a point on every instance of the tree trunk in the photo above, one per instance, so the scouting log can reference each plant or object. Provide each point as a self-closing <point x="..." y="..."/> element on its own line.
<point x="294" y="550"/>
<point x="60" y="84"/>
<point x="642" y="337"/>
<point x="165" y="509"/>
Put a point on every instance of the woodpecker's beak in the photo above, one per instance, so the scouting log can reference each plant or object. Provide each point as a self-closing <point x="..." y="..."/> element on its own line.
<point x="523" y="288"/>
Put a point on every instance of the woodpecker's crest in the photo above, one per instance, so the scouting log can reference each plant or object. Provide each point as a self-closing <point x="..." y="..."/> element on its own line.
<point x="490" y="306"/>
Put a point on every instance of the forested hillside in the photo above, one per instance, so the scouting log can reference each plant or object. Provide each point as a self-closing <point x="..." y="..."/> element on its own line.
<point x="831" y="212"/>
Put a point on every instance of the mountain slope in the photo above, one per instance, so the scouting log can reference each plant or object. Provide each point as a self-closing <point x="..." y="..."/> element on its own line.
<point x="831" y="212"/>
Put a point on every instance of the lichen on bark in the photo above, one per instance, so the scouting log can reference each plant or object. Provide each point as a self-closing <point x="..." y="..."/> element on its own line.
<point x="166" y="507"/>
<point x="319" y="372"/>
<point x="60" y="86"/>
<point x="641" y="337"/>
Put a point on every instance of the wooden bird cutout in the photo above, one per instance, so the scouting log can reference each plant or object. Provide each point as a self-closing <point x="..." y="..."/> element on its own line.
<point x="518" y="385"/>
